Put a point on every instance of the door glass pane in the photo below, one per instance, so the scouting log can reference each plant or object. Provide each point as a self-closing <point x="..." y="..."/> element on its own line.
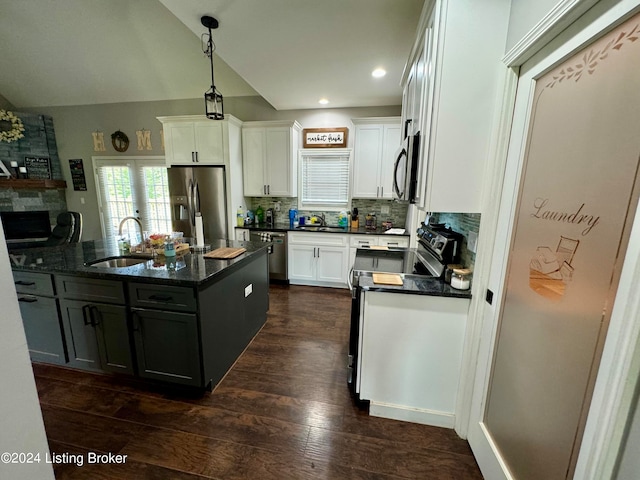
<point x="157" y="216"/>
<point x="118" y="199"/>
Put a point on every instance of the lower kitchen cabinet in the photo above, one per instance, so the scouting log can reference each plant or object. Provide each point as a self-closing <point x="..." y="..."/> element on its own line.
<point x="167" y="346"/>
<point x="97" y="336"/>
<point x="411" y="355"/>
<point x="42" y="328"/>
<point x="94" y="316"/>
<point x="39" y="311"/>
<point x="318" y="259"/>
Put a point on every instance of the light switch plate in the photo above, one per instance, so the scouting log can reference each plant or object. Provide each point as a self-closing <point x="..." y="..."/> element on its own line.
<point x="384" y="209"/>
<point x="248" y="290"/>
<point x="472" y="241"/>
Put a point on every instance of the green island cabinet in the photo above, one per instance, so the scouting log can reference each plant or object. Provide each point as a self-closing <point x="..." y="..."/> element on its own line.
<point x="40" y="317"/>
<point x="188" y="335"/>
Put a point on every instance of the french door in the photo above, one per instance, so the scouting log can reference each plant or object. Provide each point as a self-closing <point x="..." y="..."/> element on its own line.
<point x="132" y="187"/>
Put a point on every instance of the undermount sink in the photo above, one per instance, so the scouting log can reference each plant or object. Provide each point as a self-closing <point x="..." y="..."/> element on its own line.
<point x="117" y="262"/>
<point x="318" y="228"/>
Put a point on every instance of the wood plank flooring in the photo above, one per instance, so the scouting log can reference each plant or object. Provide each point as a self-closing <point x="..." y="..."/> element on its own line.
<point x="282" y="412"/>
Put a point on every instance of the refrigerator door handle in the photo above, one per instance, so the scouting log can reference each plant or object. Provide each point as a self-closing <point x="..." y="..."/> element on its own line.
<point x="196" y="197"/>
<point x="190" y="205"/>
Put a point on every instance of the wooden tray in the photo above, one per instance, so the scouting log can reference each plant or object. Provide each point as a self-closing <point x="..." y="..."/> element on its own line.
<point x="387" y="279"/>
<point x="225" y="252"/>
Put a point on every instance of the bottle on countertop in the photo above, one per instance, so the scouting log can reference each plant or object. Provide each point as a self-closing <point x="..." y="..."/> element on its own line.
<point x="240" y="217"/>
<point x="169" y="247"/>
<point x="259" y="215"/>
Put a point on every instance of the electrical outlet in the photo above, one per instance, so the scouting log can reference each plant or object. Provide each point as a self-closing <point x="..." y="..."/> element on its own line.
<point x="384" y="209"/>
<point x="276" y="206"/>
<point x="472" y="241"/>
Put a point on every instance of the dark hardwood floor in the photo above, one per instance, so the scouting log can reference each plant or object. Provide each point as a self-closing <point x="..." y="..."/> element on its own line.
<point x="282" y="412"/>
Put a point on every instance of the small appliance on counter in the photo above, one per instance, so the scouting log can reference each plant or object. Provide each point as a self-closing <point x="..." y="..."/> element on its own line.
<point x="270" y="217"/>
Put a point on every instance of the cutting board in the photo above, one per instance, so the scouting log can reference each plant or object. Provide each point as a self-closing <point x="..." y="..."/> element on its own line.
<point x="225" y="252"/>
<point x="387" y="279"/>
<point x="378" y="247"/>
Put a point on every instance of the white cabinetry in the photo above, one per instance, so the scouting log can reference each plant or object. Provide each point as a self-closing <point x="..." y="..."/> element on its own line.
<point x="189" y="141"/>
<point x="269" y="158"/>
<point x="376" y="142"/>
<point x="317" y="259"/>
<point x="421" y="384"/>
<point x="217" y="142"/>
<point x="450" y="90"/>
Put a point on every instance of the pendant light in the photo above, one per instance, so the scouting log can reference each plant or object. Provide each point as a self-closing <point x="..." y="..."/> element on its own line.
<point x="213" y="102"/>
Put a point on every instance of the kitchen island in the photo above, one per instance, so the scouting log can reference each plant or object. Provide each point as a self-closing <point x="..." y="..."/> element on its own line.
<point x="184" y="323"/>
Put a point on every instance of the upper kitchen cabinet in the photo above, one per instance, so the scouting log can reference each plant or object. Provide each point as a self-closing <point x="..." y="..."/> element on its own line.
<point x="376" y="141"/>
<point x="194" y="140"/>
<point x="269" y="158"/>
<point x="451" y="83"/>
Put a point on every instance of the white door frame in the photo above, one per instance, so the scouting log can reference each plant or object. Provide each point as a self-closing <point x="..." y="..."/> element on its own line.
<point x="617" y="375"/>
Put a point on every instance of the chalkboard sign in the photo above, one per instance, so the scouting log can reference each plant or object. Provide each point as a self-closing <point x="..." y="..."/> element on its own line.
<point x="38" y="168"/>
<point x="77" y="174"/>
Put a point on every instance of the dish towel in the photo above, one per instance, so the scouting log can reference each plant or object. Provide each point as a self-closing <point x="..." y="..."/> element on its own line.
<point x="265" y="236"/>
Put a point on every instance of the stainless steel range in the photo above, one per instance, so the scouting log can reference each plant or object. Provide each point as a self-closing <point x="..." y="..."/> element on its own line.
<point x="437" y="247"/>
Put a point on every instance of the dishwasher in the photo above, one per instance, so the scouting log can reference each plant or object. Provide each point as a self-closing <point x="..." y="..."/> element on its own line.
<point x="277" y="255"/>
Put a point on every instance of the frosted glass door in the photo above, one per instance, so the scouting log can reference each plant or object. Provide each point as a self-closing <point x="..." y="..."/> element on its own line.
<point x="569" y="239"/>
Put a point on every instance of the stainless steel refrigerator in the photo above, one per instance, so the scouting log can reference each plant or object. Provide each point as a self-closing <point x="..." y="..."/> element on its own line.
<point x="199" y="189"/>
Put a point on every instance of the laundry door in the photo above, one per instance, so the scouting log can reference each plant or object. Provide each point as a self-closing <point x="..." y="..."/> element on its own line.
<point x="571" y="216"/>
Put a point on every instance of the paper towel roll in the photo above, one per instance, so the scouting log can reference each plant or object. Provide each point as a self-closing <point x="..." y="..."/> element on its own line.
<point x="199" y="230"/>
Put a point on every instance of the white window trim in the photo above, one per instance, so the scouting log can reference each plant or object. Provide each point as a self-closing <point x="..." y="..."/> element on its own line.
<point x="328" y="152"/>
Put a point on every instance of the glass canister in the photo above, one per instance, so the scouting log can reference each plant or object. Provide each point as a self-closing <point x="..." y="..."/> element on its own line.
<point x="449" y="271"/>
<point x="461" y="278"/>
<point x="370" y="221"/>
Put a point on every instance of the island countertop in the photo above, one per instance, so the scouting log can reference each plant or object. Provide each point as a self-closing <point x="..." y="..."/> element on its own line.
<point x="192" y="269"/>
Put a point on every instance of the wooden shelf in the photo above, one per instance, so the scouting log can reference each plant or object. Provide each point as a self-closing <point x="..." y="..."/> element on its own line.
<point x="29" y="183"/>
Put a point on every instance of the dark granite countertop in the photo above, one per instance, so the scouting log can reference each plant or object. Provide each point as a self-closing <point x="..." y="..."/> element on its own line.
<point x="192" y="269"/>
<point x="415" y="286"/>
<point x="285" y="227"/>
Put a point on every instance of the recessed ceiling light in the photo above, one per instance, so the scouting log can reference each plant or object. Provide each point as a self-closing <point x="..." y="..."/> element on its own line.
<point x="378" y="73"/>
<point x="323" y="101"/>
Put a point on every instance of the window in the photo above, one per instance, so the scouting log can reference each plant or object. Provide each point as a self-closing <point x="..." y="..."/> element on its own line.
<point x="132" y="186"/>
<point x="324" y="179"/>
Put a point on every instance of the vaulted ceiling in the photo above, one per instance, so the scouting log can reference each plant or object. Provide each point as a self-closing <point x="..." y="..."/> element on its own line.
<point x="291" y="52"/>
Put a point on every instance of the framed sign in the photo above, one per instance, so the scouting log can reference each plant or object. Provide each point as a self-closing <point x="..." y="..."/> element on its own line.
<point x="77" y="174"/>
<point x="325" y="137"/>
<point x="38" y="168"/>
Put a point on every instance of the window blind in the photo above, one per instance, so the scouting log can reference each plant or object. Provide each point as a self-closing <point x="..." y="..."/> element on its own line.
<point x="325" y="179"/>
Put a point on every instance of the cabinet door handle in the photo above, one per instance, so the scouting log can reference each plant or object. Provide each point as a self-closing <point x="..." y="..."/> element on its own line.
<point x="197" y="158"/>
<point x="97" y="318"/>
<point x="161" y="298"/>
<point x="86" y="315"/>
<point x="268" y="189"/>
<point x="193" y="157"/>
<point x="29" y="299"/>
<point x="377" y="192"/>
<point x="136" y="324"/>
<point x="318" y="252"/>
<point x="382" y="191"/>
<point x="22" y="282"/>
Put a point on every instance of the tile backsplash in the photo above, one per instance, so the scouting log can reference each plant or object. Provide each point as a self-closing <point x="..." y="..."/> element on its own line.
<point x="397" y="211"/>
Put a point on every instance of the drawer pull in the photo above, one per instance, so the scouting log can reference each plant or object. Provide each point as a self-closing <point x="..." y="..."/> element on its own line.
<point x="161" y="298"/>
<point x="22" y="282"/>
<point x="392" y="243"/>
<point x="28" y="299"/>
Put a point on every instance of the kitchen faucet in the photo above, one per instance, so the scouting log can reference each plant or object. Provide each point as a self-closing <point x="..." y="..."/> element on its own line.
<point x="135" y="219"/>
<point x="323" y="222"/>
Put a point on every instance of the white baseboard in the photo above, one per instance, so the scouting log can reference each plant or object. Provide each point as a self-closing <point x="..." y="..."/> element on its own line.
<point x="410" y="414"/>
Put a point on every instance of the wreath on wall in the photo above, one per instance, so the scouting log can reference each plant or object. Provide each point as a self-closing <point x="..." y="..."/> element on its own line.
<point x="11" y="127"/>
